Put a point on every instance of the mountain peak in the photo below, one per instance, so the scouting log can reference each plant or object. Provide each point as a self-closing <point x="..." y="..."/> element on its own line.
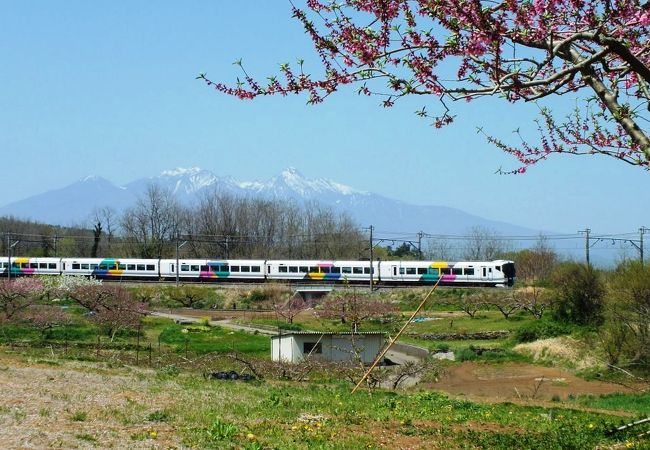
<point x="181" y="171"/>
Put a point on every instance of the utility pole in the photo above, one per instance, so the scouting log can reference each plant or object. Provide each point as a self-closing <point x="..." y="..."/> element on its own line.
<point x="10" y="248"/>
<point x="8" y="236"/>
<point x="586" y="232"/>
<point x="371" y="228"/>
<point x="179" y="244"/>
<point x="420" y="234"/>
<point x="642" y="231"/>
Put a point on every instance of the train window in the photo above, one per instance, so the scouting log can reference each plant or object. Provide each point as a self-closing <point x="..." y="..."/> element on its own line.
<point x="410" y="271"/>
<point x="435" y="272"/>
<point x="121" y="266"/>
<point x="347" y="269"/>
<point x="469" y="271"/>
<point x="293" y="269"/>
<point x="282" y="269"/>
<point x="15" y="264"/>
<point x="336" y="270"/>
<point x="498" y="268"/>
<point x="304" y="269"/>
<point x="234" y="268"/>
<point x="357" y="269"/>
<point x="457" y="271"/>
<point x="205" y="268"/>
<point x="185" y="268"/>
<point x="132" y="267"/>
<point x="139" y="266"/>
<point x="313" y="269"/>
<point x="256" y="269"/>
<point x="324" y="270"/>
<point x="195" y="267"/>
<point x="84" y="267"/>
<point x="33" y="265"/>
<point x="401" y="270"/>
<point x="24" y="265"/>
<point x="103" y="267"/>
<point x="446" y="270"/>
<point x="227" y="268"/>
<point x="243" y="268"/>
<point x="75" y="266"/>
<point x="484" y="272"/>
<point x="51" y="265"/>
<point x="366" y="270"/>
<point x="42" y="265"/>
<point x="93" y="266"/>
<point x="422" y="270"/>
<point x="151" y="267"/>
<point x="4" y="265"/>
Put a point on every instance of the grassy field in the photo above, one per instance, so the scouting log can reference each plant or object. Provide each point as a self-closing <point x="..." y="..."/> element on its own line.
<point x="53" y="403"/>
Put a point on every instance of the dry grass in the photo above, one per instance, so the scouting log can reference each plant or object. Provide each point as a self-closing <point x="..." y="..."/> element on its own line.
<point x="564" y="350"/>
<point x="80" y="407"/>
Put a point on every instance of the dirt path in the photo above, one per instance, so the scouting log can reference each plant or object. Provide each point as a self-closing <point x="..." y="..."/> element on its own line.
<point x="517" y="381"/>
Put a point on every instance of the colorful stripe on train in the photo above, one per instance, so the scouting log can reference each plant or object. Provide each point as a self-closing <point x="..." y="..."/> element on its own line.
<point x="216" y="269"/>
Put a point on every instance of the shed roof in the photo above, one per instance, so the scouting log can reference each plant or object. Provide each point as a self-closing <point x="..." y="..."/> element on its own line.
<point x="329" y="333"/>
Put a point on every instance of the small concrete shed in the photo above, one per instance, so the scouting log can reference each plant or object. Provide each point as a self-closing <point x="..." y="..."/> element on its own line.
<point x="294" y="346"/>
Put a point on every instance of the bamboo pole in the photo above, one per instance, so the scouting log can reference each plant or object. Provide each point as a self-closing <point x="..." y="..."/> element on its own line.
<point x="391" y="341"/>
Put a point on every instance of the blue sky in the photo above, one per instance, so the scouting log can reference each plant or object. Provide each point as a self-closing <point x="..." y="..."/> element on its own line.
<point x="108" y="88"/>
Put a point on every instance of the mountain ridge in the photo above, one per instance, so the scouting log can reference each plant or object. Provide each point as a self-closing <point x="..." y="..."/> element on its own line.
<point x="74" y="204"/>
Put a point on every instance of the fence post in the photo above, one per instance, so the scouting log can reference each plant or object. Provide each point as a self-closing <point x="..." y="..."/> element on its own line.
<point x="99" y="341"/>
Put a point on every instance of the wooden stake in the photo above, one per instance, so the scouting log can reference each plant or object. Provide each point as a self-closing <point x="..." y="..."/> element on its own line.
<point x="392" y="341"/>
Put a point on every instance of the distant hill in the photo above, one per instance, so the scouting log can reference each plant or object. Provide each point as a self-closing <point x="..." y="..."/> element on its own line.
<point x="74" y="204"/>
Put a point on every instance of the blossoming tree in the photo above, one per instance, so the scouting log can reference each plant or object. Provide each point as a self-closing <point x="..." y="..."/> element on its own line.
<point x="466" y="49"/>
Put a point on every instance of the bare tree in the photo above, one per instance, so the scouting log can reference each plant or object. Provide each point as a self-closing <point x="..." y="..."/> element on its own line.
<point x="506" y="303"/>
<point x="110" y="307"/>
<point x="289" y="308"/>
<point x="483" y="244"/>
<point x="46" y="317"/>
<point x="153" y="223"/>
<point x="17" y="295"/>
<point x="353" y="308"/>
<point x="533" y="299"/>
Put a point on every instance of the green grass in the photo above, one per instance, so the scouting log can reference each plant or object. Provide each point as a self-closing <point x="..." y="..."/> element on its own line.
<point x="638" y="403"/>
<point x="272" y="415"/>
<point x="214" y="339"/>
<point x="154" y="331"/>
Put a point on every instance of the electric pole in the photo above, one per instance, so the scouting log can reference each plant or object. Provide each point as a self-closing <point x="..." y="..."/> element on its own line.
<point x="586" y="232"/>
<point x="642" y="231"/>
<point x="420" y="234"/>
<point x="371" y="228"/>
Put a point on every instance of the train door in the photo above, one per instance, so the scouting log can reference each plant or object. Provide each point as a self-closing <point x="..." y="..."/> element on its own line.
<point x="487" y="273"/>
<point x="397" y="272"/>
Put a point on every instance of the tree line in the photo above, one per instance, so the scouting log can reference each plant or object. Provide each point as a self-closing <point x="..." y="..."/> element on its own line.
<point x="218" y="225"/>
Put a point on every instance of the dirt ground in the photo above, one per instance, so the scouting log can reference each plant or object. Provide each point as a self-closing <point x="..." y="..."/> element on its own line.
<point x="517" y="381"/>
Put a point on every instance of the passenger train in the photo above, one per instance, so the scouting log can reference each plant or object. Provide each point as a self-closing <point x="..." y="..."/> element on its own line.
<point x="467" y="273"/>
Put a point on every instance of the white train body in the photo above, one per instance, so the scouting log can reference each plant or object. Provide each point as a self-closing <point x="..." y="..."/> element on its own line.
<point x="463" y="273"/>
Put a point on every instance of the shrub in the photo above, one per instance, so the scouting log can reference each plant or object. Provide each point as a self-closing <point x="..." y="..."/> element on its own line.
<point x="541" y="330"/>
<point x="580" y="292"/>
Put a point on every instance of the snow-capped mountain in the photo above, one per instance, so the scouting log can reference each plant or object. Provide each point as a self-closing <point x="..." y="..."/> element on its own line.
<point x="74" y="204"/>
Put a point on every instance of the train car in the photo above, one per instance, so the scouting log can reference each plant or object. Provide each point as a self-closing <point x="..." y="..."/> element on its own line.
<point x="465" y="273"/>
<point x="112" y="268"/>
<point x="318" y="270"/>
<point x="21" y="266"/>
<point x="213" y="270"/>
